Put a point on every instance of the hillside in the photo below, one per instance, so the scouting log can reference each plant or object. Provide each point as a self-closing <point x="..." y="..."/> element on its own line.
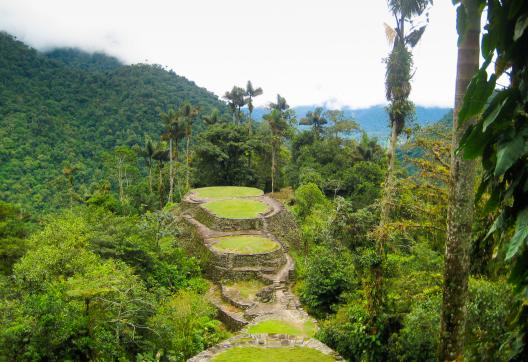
<point x="69" y="107"/>
<point x="374" y="119"/>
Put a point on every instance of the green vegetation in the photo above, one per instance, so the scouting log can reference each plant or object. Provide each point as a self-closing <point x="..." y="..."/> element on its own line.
<point x="257" y="354"/>
<point x="217" y="192"/>
<point x="70" y="108"/>
<point x="95" y="155"/>
<point x="236" y="209"/>
<point x="245" y="244"/>
<point x="283" y="327"/>
<point x="247" y="288"/>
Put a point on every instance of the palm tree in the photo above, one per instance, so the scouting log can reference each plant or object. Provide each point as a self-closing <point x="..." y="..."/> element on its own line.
<point x="235" y="100"/>
<point x="398" y="77"/>
<point x="281" y="104"/>
<point x="461" y="190"/>
<point x="213" y="118"/>
<point x="316" y="119"/>
<point x="278" y="125"/>
<point x="251" y="93"/>
<point x="398" y="87"/>
<point x="173" y="132"/>
<point x="146" y="153"/>
<point x="188" y="114"/>
<point x="161" y="156"/>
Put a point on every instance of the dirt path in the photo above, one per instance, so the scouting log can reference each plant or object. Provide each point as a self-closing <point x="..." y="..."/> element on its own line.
<point x="270" y="272"/>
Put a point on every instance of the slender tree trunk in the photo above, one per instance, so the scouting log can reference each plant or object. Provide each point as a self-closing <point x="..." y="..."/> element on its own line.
<point x="150" y="176"/>
<point x="388" y="189"/>
<point x="160" y="187"/>
<point x="171" y="171"/>
<point x="272" y="168"/>
<point x="460" y="210"/>
<point x="187" y="160"/>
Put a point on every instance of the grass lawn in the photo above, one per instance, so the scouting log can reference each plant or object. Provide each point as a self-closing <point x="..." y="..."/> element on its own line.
<point x="283" y="327"/>
<point x="245" y="244"/>
<point x="236" y="209"/>
<point x="215" y="192"/>
<point x="247" y="288"/>
<point x="285" y="354"/>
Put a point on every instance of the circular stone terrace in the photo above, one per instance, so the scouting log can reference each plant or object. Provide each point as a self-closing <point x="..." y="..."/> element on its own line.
<point x="244" y="244"/>
<point x="246" y="231"/>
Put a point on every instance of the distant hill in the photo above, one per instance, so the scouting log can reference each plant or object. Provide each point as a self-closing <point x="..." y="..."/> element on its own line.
<point x="68" y="106"/>
<point x="374" y="120"/>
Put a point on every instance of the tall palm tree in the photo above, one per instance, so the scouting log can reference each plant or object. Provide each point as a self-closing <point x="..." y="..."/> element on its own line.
<point x="251" y="93"/>
<point x="146" y="153"/>
<point x="278" y="125"/>
<point x="316" y="119"/>
<point x="173" y="132"/>
<point x="412" y="13"/>
<point x="281" y="104"/>
<point x="235" y="100"/>
<point x="188" y="115"/>
<point x="161" y="156"/>
<point x="212" y="118"/>
<point x="398" y="76"/>
<point x="461" y="191"/>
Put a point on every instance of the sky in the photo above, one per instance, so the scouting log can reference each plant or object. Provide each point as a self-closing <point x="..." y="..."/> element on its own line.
<point x="312" y="52"/>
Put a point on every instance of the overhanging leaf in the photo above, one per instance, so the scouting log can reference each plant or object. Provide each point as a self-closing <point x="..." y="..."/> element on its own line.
<point x="478" y="92"/>
<point x="520" y="27"/>
<point x="508" y="153"/>
<point x="520" y="236"/>
<point x="494" y="109"/>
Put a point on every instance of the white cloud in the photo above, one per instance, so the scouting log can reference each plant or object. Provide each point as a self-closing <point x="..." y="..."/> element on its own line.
<point x="309" y="51"/>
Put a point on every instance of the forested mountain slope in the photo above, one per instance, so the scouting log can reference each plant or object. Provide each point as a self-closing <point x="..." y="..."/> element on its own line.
<point x="64" y="108"/>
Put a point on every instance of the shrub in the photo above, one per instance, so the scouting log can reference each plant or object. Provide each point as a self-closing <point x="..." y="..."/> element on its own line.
<point x="329" y="273"/>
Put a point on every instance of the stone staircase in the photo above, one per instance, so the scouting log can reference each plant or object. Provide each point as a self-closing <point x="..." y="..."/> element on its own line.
<point x="275" y="269"/>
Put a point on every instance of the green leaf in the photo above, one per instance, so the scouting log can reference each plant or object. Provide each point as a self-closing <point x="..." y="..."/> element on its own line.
<point x="473" y="142"/>
<point x="515" y="6"/>
<point x="498" y="224"/>
<point x="520" y="27"/>
<point x="508" y="153"/>
<point x="520" y="236"/>
<point x="477" y="94"/>
<point x="495" y="106"/>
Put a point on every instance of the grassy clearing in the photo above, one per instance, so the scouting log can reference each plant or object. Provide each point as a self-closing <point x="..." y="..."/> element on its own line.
<point x="256" y="354"/>
<point x="215" y="192"/>
<point x="282" y="327"/>
<point x="236" y="209"/>
<point x="247" y="288"/>
<point x="245" y="244"/>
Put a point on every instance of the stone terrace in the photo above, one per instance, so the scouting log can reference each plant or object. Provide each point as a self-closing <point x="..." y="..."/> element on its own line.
<point x="263" y="278"/>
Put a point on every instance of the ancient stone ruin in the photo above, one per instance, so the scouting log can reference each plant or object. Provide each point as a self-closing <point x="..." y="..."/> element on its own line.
<point x="247" y="260"/>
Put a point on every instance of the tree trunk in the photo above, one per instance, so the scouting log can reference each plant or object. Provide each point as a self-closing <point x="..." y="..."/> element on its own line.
<point x="460" y="210"/>
<point x="150" y="176"/>
<point x="388" y="189"/>
<point x="160" y="187"/>
<point x="272" y="168"/>
<point x="187" y="160"/>
<point x="171" y="172"/>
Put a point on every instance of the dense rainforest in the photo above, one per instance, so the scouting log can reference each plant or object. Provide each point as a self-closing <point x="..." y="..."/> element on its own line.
<point x="409" y="250"/>
<point x="61" y="110"/>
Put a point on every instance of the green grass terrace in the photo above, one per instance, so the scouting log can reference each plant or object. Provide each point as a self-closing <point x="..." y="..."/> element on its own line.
<point x="219" y="192"/>
<point x="245" y="244"/>
<point x="284" y="354"/>
<point x="306" y="329"/>
<point x="236" y="208"/>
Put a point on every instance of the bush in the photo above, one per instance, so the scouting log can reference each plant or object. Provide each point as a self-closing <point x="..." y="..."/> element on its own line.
<point x="306" y="198"/>
<point x="348" y="333"/>
<point x="184" y="326"/>
<point x="329" y="273"/>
